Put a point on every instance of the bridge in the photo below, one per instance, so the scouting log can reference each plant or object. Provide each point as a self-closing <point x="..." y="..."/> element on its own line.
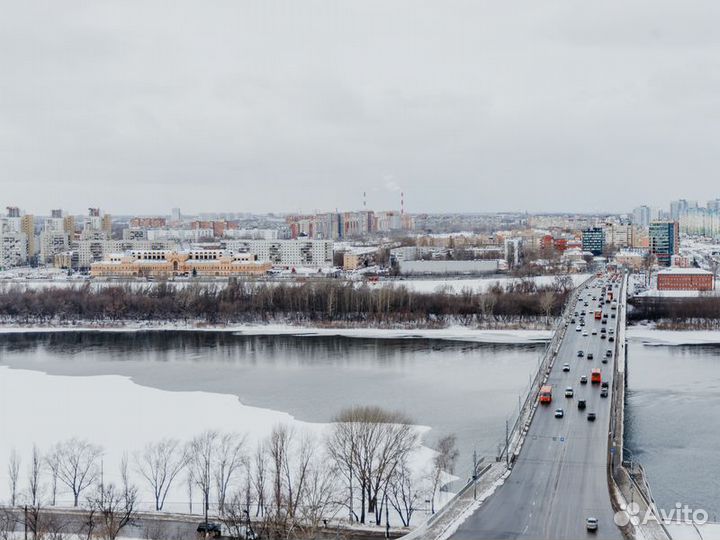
<point x="557" y="472"/>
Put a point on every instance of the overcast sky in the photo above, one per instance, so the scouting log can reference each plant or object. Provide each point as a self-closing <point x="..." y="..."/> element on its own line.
<point x="302" y="105"/>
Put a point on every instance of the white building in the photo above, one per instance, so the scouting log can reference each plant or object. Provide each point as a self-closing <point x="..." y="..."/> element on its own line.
<point x="53" y="242"/>
<point x="287" y="253"/>
<point x="97" y="249"/>
<point x="13" y="249"/>
<point x="179" y="235"/>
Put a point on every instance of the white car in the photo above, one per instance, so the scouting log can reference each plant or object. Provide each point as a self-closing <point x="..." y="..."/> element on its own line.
<point x="559" y="413"/>
<point x="585" y="333"/>
<point x="594" y="332"/>
<point x="569" y="392"/>
<point x="578" y="328"/>
<point x="591" y="524"/>
<point x="566" y="367"/>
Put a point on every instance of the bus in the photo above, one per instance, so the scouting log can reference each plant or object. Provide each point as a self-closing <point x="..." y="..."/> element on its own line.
<point x="596" y="376"/>
<point x="546" y="394"/>
<point x="598" y="314"/>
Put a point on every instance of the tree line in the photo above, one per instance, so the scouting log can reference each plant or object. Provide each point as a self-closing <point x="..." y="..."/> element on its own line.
<point x="288" y="485"/>
<point x="316" y="302"/>
<point x="698" y="312"/>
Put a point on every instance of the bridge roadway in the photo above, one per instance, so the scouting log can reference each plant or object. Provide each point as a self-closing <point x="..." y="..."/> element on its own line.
<point x="560" y="476"/>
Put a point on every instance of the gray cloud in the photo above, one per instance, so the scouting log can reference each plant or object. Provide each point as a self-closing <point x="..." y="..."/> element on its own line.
<point x="138" y="106"/>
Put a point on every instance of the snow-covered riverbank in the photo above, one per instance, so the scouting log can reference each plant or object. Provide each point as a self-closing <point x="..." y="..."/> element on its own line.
<point x="453" y="333"/>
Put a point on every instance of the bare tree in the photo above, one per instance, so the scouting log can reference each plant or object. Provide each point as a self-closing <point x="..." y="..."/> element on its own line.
<point x="403" y="495"/>
<point x="201" y="451"/>
<point x="160" y="463"/>
<point x="13" y="475"/>
<point x="77" y="465"/>
<point x="236" y="516"/>
<point x="113" y="508"/>
<point x="342" y="447"/>
<point x="53" y="462"/>
<point x="229" y="459"/>
<point x="258" y="475"/>
<point x="34" y="495"/>
<point x="443" y="462"/>
<point x="369" y="443"/>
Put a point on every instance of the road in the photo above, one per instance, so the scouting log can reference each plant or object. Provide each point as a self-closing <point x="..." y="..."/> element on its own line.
<point x="560" y="476"/>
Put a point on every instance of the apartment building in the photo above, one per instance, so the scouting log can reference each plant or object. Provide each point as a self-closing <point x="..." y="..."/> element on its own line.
<point x="286" y="253"/>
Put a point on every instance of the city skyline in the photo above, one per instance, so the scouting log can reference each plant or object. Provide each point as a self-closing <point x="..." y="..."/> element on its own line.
<point x="465" y="107"/>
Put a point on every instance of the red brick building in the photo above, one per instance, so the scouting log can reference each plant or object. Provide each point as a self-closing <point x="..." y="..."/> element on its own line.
<point x="685" y="279"/>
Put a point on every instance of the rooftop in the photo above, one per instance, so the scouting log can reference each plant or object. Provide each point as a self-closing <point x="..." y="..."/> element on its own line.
<point x="678" y="270"/>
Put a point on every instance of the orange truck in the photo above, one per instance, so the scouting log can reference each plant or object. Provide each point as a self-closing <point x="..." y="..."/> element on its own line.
<point x="546" y="394"/>
<point x="596" y="376"/>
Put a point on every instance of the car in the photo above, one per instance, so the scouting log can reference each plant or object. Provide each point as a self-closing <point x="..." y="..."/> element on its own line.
<point x="582" y="322"/>
<point x="580" y="354"/>
<point x="569" y="392"/>
<point x="572" y="321"/>
<point x="605" y="315"/>
<point x="613" y="315"/>
<point x="591" y="416"/>
<point x="583" y="379"/>
<point x="586" y="304"/>
<point x="604" y="392"/>
<point x="591" y="524"/>
<point x="581" y="404"/>
<point x="604" y="321"/>
<point x="603" y="336"/>
<point x="603" y="330"/>
<point x="578" y="328"/>
<point x="594" y="332"/>
<point x="604" y="360"/>
<point x="559" y="413"/>
<point x="611" y="338"/>
<point x="594" y="298"/>
<point x="566" y="367"/>
<point x="604" y="384"/>
<point x="585" y="334"/>
<point x="582" y="313"/>
<point x="611" y="331"/>
<point x="209" y="529"/>
<point x="590" y="356"/>
<point x="608" y="353"/>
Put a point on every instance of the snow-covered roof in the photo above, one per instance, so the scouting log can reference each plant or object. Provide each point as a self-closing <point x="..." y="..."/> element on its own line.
<point x="678" y="270"/>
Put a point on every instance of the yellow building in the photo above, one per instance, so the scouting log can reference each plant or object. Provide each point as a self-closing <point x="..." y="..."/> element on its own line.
<point x="162" y="263"/>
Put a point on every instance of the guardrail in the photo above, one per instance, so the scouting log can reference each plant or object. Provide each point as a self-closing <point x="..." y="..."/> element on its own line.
<point x="618" y="475"/>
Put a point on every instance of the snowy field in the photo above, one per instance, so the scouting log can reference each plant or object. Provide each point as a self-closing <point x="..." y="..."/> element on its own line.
<point x="477" y="285"/>
<point x="651" y="336"/>
<point x="122" y="416"/>
<point x="451" y="285"/>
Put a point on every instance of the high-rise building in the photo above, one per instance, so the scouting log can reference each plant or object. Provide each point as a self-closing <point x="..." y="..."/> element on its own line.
<point x="680" y="207"/>
<point x="593" y="240"/>
<point x="664" y="240"/>
<point x="175" y="215"/>
<point x="641" y="216"/>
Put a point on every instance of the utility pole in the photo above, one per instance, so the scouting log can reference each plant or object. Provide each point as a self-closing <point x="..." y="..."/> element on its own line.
<point x="387" y="517"/>
<point x="474" y="474"/>
<point x="102" y="483"/>
<point x="507" y="444"/>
